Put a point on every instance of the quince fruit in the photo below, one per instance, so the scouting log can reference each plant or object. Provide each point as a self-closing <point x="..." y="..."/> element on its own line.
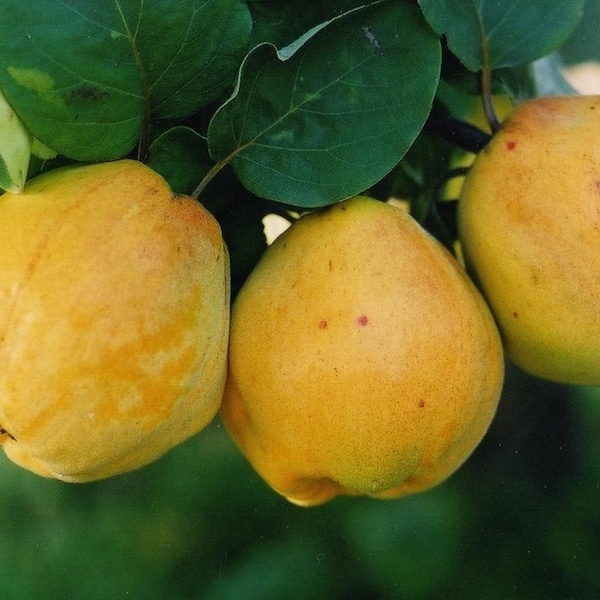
<point x="114" y="316"/>
<point x="362" y="359"/>
<point x="529" y="226"/>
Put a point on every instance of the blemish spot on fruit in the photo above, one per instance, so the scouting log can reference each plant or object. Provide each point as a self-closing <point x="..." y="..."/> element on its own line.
<point x="323" y="324"/>
<point x="510" y="145"/>
<point x="516" y="314"/>
<point x="362" y="320"/>
<point x="421" y="403"/>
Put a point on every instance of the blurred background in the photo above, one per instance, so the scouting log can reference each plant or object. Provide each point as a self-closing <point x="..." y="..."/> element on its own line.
<point x="519" y="521"/>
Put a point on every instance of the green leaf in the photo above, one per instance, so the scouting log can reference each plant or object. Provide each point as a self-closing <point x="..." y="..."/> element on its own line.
<point x="85" y="77"/>
<point x="42" y="151"/>
<point x="15" y="149"/>
<point x="282" y="22"/>
<point x="180" y="155"/>
<point x="331" y="114"/>
<point x="509" y="32"/>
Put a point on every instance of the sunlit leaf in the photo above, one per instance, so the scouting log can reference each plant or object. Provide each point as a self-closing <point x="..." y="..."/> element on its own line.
<point x="85" y="76"/>
<point x="41" y="150"/>
<point x="326" y="118"/>
<point x="502" y="33"/>
<point x="15" y="149"/>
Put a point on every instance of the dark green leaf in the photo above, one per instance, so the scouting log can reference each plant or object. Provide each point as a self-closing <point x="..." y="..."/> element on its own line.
<point x="180" y="155"/>
<point x="515" y="31"/>
<point x="281" y="22"/>
<point x="86" y="76"/>
<point x="330" y="115"/>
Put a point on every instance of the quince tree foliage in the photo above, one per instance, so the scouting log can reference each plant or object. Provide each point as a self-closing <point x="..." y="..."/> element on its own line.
<point x="260" y="107"/>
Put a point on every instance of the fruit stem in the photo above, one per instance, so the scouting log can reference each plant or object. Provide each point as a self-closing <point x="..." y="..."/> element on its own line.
<point x="488" y="104"/>
<point x="486" y="90"/>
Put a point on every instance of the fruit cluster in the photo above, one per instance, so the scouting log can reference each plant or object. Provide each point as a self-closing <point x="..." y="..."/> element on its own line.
<point x="359" y="357"/>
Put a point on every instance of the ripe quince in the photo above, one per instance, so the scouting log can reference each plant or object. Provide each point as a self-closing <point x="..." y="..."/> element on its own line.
<point x="114" y="316"/>
<point x="362" y="359"/>
<point x="529" y="226"/>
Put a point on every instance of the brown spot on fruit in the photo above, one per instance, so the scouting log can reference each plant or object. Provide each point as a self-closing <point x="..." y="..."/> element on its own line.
<point x="323" y="324"/>
<point x="510" y="145"/>
<point x="421" y="403"/>
<point x="362" y="320"/>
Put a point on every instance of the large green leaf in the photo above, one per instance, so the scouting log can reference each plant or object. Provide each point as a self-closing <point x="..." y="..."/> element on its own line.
<point x="502" y="33"/>
<point x="331" y="114"/>
<point x="85" y="76"/>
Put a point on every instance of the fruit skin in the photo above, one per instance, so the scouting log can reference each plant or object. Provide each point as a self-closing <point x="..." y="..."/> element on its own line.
<point x="529" y="223"/>
<point x="114" y="297"/>
<point x="362" y="360"/>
